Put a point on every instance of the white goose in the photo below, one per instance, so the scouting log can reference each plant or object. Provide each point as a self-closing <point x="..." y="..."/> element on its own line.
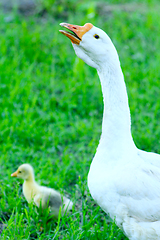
<point x="123" y="180"/>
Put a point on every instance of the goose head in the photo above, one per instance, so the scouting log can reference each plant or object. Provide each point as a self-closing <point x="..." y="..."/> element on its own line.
<point x="25" y="172"/>
<point x="92" y="45"/>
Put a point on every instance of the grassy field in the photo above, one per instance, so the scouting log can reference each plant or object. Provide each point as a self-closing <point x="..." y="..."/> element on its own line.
<point x="51" y="108"/>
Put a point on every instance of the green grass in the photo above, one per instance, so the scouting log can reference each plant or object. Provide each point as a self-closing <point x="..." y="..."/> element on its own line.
<point x="51" y="110"/>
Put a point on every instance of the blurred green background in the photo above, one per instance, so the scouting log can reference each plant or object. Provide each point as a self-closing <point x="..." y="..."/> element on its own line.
<point x="51" y="105"/>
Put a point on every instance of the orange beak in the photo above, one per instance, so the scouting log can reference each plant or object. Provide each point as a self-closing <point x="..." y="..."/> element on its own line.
<point x="77" y="32"/>
<point x="14" y="174"/>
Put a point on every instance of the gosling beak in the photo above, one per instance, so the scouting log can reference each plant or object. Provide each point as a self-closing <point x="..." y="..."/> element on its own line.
<point x="76" y="33"/>
<point x="14" y="174"/>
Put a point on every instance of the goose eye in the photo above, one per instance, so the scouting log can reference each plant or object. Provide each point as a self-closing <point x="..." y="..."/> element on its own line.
<point x="96" y="36"/>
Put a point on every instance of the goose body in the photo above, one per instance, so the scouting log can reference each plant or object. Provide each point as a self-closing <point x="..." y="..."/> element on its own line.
<point x="123" y="180"/>
<point x="41" y="195"/>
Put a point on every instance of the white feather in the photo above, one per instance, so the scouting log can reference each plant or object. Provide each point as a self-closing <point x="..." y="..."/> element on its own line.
<point x="123" y="180"/>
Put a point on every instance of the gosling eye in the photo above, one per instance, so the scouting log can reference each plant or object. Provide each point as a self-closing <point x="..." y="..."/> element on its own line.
<point x="20" y="171"/>
<point x="96" y="36"/>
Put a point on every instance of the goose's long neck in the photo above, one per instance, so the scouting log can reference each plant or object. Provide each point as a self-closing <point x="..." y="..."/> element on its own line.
<point x="116" y="125"/>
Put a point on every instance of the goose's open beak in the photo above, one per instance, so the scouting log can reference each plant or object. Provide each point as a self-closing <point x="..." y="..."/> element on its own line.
<point x="76" y="33"/>
<point x="14" y="174"/>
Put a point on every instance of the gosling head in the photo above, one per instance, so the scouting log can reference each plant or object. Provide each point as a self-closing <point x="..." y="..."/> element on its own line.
<point x="25" y="172"/>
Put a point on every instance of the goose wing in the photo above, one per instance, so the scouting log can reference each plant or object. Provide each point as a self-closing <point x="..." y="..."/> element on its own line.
<point x="139" y="190"/>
